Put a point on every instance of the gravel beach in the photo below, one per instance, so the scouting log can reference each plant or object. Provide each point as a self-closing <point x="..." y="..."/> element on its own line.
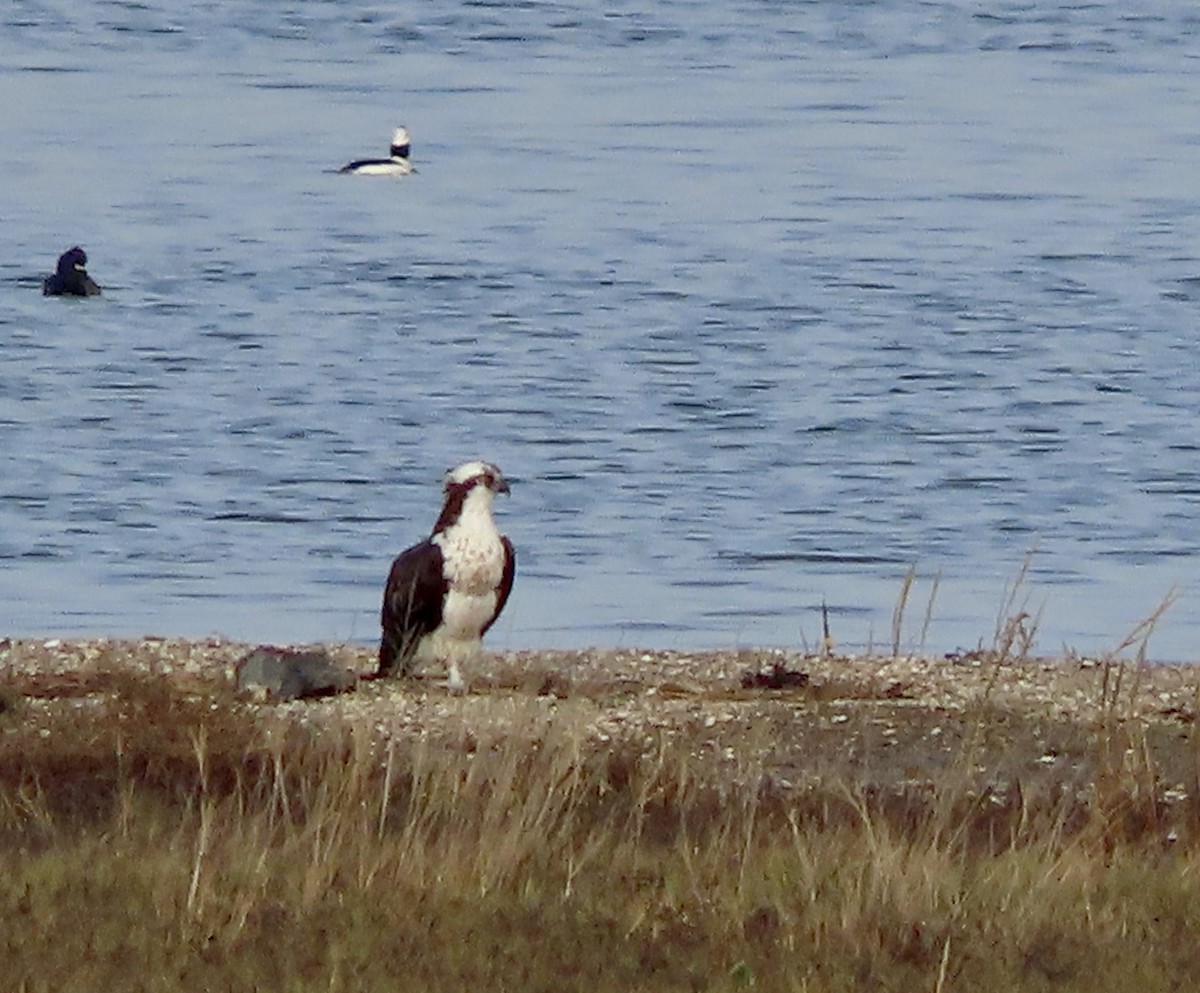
<point x="884" y="722"/>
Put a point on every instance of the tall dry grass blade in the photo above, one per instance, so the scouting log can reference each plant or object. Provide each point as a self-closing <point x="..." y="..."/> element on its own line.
<point x="1144" y="628"/>
<point x="281" y="804"/>
<point x="385" y="795"/>
<point x="126" y="788"/>
<point x="827" y="642"/>
<point x="199" y="739"/>
<point x="943" y="967"/>
<point x="1010" y="619"/>
<point x="203" y="840"/>
<point x="906" y="586"/>
<point x="933" y="592"/>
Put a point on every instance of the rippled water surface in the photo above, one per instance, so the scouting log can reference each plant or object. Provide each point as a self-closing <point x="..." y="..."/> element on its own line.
<point x="760" y="304"/>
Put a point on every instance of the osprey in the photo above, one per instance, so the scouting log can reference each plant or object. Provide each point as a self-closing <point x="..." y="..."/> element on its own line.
<point x="444" y="593"/>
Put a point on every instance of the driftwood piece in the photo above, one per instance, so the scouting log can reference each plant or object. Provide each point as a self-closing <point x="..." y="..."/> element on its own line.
<point x="778" y="677"/>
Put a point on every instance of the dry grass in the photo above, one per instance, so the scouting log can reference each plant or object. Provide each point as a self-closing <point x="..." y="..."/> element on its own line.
<point x="600" y="822"/>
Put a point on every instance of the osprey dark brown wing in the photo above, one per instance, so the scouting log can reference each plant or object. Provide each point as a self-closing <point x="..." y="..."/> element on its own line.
<point x="412" y="605"/>
<point x="506" y="582"/>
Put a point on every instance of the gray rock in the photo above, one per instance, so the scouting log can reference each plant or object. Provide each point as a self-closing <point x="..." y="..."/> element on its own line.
<point x="278" y="674"/>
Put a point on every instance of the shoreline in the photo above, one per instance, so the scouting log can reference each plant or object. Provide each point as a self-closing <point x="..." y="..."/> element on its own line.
<point x="880" y="720"/>
<point x="1059" y="686"/>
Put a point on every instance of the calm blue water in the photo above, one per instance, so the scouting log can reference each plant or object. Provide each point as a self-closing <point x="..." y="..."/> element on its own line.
<point x="759" y="304"/>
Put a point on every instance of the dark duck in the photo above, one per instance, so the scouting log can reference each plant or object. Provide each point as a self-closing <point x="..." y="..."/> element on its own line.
<point x="71" y="279"/>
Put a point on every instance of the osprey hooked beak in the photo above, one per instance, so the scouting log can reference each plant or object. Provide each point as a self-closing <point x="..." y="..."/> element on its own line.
<point x="473" y="473"/>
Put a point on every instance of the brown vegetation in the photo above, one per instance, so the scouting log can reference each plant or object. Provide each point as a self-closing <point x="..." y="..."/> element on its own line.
<point x="599" y="821"/>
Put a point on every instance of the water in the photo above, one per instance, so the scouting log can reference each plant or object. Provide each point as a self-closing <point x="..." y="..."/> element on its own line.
<point x="760" y="304"/>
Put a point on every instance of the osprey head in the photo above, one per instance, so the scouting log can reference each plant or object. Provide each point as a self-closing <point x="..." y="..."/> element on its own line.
<point x="471" y="474"/>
